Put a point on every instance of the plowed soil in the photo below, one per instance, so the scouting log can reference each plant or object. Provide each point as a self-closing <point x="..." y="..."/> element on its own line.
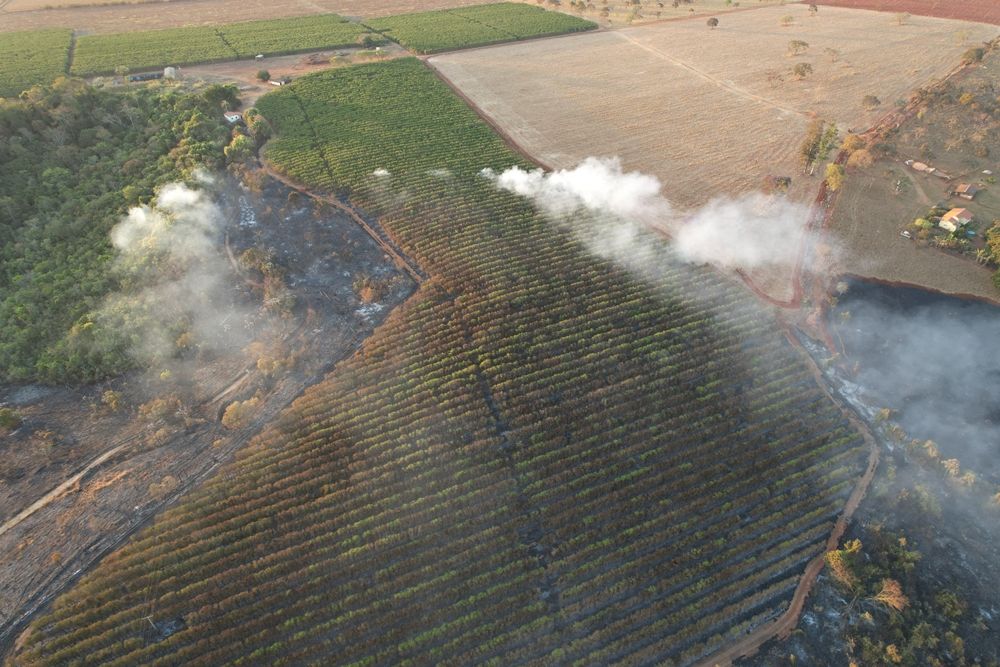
<point x="983" y="11"/>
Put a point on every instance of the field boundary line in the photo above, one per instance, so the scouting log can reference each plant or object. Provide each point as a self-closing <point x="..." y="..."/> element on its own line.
<point x="494" y="125"/>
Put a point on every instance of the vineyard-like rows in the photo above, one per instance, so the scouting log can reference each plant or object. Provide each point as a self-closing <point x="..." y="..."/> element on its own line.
<point x="27" y="58"/>
<point x="430" y="32"/>
<point x="101" y="54"/>
<point x="538" y="459"/>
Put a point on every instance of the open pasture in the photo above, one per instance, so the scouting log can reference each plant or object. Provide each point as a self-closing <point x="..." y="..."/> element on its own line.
<point x="685" y="103"/>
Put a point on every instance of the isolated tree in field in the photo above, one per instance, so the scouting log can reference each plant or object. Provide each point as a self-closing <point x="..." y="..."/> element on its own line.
<point x="902" y="18"/>
<point x="861" y="158"/>
<point x="810" y="144"/>
<point x="263" y="75"/>
<point x="973" y="56"/>
<point x="787" y="20"/>
<point x="713" y="22"/>
<point x="797" y="47"/>
<point x="852" y="142"/>
<point x="834" y="176"/>
<point x="813" y="10"/>
<point x="802" y="70"/>
<point x="870" y="102"/>
<point x="891" y="595"/>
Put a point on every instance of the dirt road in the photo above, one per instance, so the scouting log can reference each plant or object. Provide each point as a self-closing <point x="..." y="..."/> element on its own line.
<point x="63" y="488"/>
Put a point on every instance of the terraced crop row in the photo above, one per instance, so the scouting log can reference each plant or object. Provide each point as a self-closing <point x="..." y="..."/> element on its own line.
<point x="442" y="30"/>
<point x="101" y="54"/>
<point x="29" y="58"/>
<point x="538" y="459"/>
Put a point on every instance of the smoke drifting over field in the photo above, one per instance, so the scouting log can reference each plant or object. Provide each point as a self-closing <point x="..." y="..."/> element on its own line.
<point x="177" y="285"/>
<point x="745" y="233"/>
<point x="929" y="358"/>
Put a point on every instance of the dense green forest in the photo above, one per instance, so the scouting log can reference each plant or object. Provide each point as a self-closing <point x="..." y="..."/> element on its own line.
<point x="72" y="160"/>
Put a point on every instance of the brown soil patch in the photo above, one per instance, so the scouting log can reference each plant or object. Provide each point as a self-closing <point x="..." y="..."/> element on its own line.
<point x="984" y="11"/>
<point x="683" y="102"/>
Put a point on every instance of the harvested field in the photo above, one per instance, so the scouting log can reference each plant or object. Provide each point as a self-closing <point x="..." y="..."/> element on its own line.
<point x="680" y="109"/>
<point x="181" y="13"/>
<point x="985" y="11"/>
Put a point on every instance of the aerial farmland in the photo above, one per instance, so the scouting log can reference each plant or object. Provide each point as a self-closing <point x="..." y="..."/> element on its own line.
<point x="432" y="332"/>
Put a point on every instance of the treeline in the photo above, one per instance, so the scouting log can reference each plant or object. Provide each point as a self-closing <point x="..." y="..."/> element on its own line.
<point x="72" y="160"/>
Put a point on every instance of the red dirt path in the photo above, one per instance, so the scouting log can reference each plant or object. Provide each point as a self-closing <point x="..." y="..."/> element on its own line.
<point x="982" y="11"/>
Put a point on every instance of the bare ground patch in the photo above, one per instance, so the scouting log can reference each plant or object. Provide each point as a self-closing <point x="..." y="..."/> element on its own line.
<point x="684" y="102"/>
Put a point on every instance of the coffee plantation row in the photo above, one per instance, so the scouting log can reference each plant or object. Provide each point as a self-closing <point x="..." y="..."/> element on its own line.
<point x="38" y="57"/>
<point x="442" y="30"/>
<point x="27" y="58"/>
<point x="539" y="458"/>
<point x="101" y="54"/>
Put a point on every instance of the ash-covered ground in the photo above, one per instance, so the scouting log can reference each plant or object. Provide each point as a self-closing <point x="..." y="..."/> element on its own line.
<point x="302" y="285"/>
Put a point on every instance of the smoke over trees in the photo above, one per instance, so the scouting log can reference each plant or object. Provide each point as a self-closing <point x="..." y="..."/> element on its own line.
<point x="72" y="159"/>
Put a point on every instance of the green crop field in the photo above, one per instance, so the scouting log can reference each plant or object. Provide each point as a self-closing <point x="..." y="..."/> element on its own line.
<point x="294" y="34"/>
<point x="537" y="459"/>
<point x="430" y="32"/>
<point x="101" y="54"/>
<point x="27" y="58"/>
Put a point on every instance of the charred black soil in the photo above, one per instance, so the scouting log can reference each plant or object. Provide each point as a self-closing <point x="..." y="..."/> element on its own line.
<point x="918" y="368"/>
<point x="308" y="286"/>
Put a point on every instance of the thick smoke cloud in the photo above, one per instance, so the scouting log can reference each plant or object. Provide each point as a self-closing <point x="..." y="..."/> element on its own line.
<point x="929" y="358"/>
<point x="177" y="283"/>
<point x="748" y="232"/>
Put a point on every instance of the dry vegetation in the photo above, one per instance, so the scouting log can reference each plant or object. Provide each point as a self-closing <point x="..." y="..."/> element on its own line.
<point x="956" y="129"/>
<point x="684" y="102"/>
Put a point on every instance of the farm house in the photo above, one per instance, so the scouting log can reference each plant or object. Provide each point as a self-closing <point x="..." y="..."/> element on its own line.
<point x="966" y="191"/>
<point x="955" y="218"/>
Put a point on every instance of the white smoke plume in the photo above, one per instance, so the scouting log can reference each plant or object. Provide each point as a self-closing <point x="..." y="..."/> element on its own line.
<point x="177" y="283"/>
<point x="747" y="232"/>
<point x="596" y="184"/>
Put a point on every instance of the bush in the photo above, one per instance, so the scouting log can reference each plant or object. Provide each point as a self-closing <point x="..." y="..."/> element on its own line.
<point x="9" y="419"/>
<point x="973" y="55"/>
<point x="263" y="75"/>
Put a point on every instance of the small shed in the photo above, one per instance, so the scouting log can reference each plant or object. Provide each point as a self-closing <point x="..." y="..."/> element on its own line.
<point x="955" y="218"/>
<point x="965" y="191"/>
